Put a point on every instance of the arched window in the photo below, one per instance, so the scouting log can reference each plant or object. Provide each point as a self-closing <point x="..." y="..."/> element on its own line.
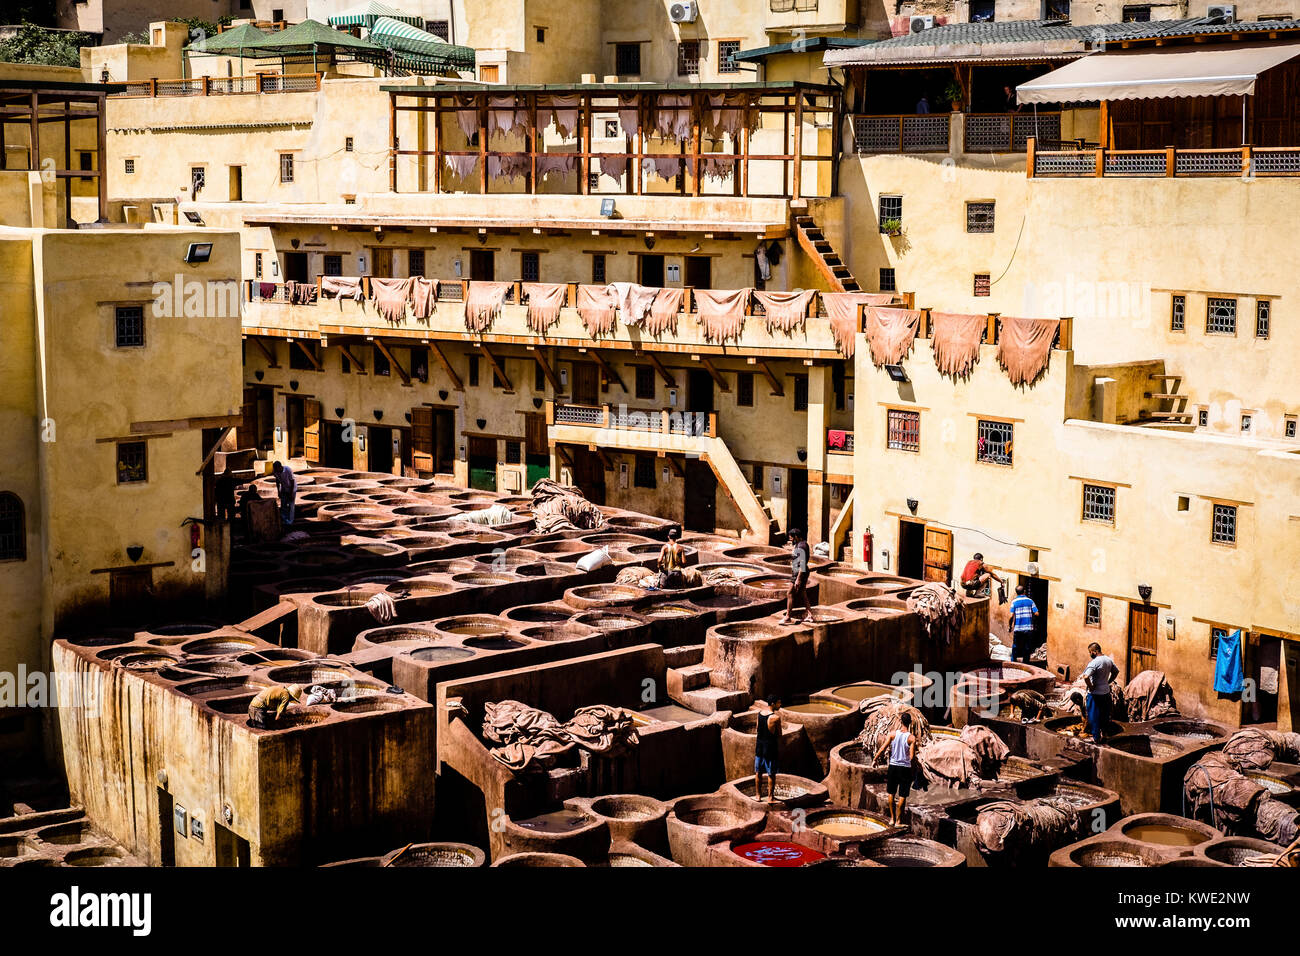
<point x="13" y="528"/>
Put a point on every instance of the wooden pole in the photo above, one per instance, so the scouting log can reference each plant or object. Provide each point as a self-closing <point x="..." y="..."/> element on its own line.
<point x="392" y="142"/>
<point x="437" y="144"/>
<point x="796" y="186"/>
<point x="482" y="146"/>
<point x="695" y="144"/>
<point x="584" y="169"/>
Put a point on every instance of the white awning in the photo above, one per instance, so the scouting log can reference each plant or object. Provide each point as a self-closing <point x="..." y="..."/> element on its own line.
<point x="1148" y="74"/>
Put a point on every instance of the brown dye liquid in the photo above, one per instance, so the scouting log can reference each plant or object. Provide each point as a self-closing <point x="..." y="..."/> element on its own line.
<point x="860" y="692"/>
<point x="844" y="830"/>
<point x="1165" y="835"/>
<point x="816" y="707"/>
<point x="557" y="821"/>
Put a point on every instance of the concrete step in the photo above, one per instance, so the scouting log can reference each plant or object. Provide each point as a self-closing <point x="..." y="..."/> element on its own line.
<point x="684" y="655"/>
<point x="710" y="700"/>
<point x="682" y="680"/>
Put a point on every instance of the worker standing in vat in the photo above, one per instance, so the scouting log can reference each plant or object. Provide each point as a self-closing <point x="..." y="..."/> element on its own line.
<point x="1101" y="670"/>
<point x="799" y="558"/>
<point x="268" y="707"/>
<point x="287" y="487"/>
<point x="1023" y="614"/>
<point x="672" y="559"/>
<point x="898" y="782"/>
<point x="765" y="749"/>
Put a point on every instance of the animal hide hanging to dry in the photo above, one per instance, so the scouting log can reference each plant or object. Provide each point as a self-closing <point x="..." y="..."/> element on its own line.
<point x="390" y="298"/>
<point x="483" y="304"/>
<point x="665" y="312"/>
<point x="891" y="334"/>
<point x="598" y="309"/>
<point x="721" y="313"/>
<point x="545" y="299"/>
<point x="424" y="293"/>
<point x="1025" y="347"/>
<point x="785" y="311"/>
<point x="842" y="310"/>
<point x="955" y="340"/>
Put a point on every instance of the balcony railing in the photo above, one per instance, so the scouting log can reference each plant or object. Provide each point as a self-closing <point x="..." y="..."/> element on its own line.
<point x="225" y="85"/>
<point x="839" y="441"/>
<point x="792" y="6"/>
<point x="655" y="421"/>
<point x="1009" y="132"/>
<point x="901" y="133"/>
<point x="1243" y="161"/>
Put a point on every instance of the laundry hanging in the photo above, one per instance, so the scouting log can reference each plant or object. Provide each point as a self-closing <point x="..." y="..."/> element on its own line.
<point x="785" y="311"/>
<point x="665" y="311"/>
<point x="955" y="341"/>
<point x="842" y="309"/>
<point x="598" y="309"/>
<point x="1229" y="676"/>
<point x="891" y="333"/>
<point x="545" y="299"/>
<point x="1025" y="347"/>
<point x="721" y="313"/>
<point x="390" y="298"/>
<point x="483" y="304"/>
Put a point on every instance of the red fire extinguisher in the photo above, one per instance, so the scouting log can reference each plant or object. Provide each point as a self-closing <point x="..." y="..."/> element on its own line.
<point x="868" y="544"/>
<point x="196" y="535"/>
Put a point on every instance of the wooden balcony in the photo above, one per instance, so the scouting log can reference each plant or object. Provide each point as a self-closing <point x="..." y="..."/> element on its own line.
<point x="1094" y="162"/>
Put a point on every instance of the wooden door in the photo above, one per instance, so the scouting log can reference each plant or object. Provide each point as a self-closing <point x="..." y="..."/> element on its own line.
<point x="1142" y="632"/>
<point x="586" y="384"/>
<point x="246" y="430"/>
<point x="700" y="508"/>
<point x="422" y="439"/>
<point x="482" y="265"/>
<point x="938" y="555"/>
<point x="311" y="430"/>
<point x="382" y="265"/>
<point x="699" y="272"/>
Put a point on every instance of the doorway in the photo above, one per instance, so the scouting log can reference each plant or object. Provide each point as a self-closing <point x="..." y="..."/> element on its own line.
<point x="1142" y="644"/>
<point x="483" y="463"/>
<point x="381" y="266"/>
<point x="335" y="452"/>
<point x="911" y="548"/>
<point x="444" y="440"/>
<point x="1036" y="589"/>
<point x="1264" y="668"/>
<point x="938" y="555"/>
<point x="699" y="272"/>
<point x="379" y="449"/>
<point x="796" y="502"/>
<point x="166" y="829"/>
<point x="295" y="422"/>
<point x="700" y="511"/>
<point x="589" y="474"/>
<point x="482" y="265"/>
<point x="586" y="383"/>
<point x="295" y="267"/>
<point x="652" y="271"/>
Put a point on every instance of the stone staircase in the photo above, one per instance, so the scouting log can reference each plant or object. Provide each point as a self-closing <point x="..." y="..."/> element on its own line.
<point x="690" y="687"/>
<point x="824" y="257"/>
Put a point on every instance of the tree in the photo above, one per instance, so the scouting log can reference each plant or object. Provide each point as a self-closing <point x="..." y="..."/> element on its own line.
<point x="37" y="44"/>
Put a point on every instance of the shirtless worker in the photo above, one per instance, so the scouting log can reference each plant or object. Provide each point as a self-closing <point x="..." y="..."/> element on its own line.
<point x="766" y="749"/>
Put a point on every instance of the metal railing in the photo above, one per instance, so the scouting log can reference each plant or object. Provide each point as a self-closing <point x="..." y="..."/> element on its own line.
<point x="1009" y="132"/>
<point x="654" y="421"/>
<point x="579" y="415"/>
<point x="837" y="447"/>
<point x="225" y="85"/>
<point x="901" y="133"/>
<point x="792" y="6"/>
<point x="1241" y="161"/>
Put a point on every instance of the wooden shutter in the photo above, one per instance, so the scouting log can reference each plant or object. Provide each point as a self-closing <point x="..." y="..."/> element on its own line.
<point x="535" y="434"/>
<point x="938" y="555"/>
<point x="311" y="430"/>
<point x="246" y="430"/>
<point x="422" y="439"/>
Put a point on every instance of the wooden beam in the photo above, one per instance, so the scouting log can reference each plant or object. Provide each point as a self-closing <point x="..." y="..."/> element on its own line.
<point x="352" y="358"/>
<point x="436" y="349"/>
<point x="497" y="367"/>
<point x="717" y="376"/>
<point x="213" y="450"/>
<point x="663" y="372"/>
<point x="675" y="463"/>
<point x="269" y="353"/>
<point x="607" y="370"/>
<point x="406" y="378"/>
<point x="539" y="356"/>
<point x="307" y="352"/>
<point x="777" y="388"/>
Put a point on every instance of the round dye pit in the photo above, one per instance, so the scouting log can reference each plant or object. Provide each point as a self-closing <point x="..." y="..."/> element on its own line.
<point x="367" y="705"/>
<point x="498" y="642"/>
<point x="783" y="793"/>
<point x="627" y="807"/>
<point x="1116" y="853"/>
<point x="97" y="856"/>
<point x="67" y="834"/>
<point x="540" y="614"/>
<point x="400" y="636"/>
<point x="557" y="821"/>
<point x="860" y="692"/>
<point x="668" y="611"/>
<point x="441" y="655"/>
<point x="308" y="674"/>
<point x="213" y="646"/>
<point x="184" y="629"/>
<point x="1164" y="834"/>
<point x="748" y="631"/>
<point x="1190" y="729"/>
<point x="436" y="855"/>
<point x="627" y="859"/>
<point x="817" y="707"/>
<point x="554" y="632"/>
<point x="473" y="625"/>
<point x="147" y="661"/>
<point x="608" y="621"/>
<point x="842" y="825"/>
<point x="349" y="598"/>
<point x="212" y="668"/>
<point x="777" y="853"/>
<point x="205" y="689"/>
<point x="908" y="852"/>
<point x="482" y="579"/>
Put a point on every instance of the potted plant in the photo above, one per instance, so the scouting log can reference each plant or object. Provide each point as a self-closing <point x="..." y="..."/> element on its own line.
<point x="953" y="93"/>
<point x="892" y="227"/>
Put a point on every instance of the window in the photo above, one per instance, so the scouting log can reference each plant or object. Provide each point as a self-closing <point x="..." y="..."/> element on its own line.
<point x="1221" y="316"/>
<point x="801" y="393"/>
<point x="756" y="477"/>
<point x="473" y="370"/>
<point x="439" y="28"/>
<point x="1136" y="13"/>
<point x="888" y="282"/>
<point x="379" y="362"/>
<point x="129" y="166"/>
<point x="1216" y="634"/>
<point x="611" y="129"/>
<point x="982" y="11"/>
<point x="197" y="176"/>
<point x="277" y="15"/>
<point x="982" y="284"/>
<point x="128" y="326"/>
<point x="1099" y="503"/>
<point x="1203" y="417"/>
<point x="333" y="264"/>
<point x="541" y="34"/>
<point x="644" y="472"/>
<point x="745" y="389"/>
<point x="347" y="144"/>
<point x="1289" y="428"/>
<point x="286" y="167"/>
<point x="13" y="531"/>
<point x="415" y="262"/>
<point x="593" y="181"/>
<point x="1056" y="9"/>
<point x="993" y="442"/>
<point x="903" y="429"/>
<point x="645" y="382"/>
<point x="688" y="58"/>
<point x="1263" y="307"/>
<point x="979" y="217"/>
<point x="1223" y="530"/>
<point x="598" y="269"/>
<point x="1184" y="503"/>
<point x="257" y="265"/>
<point x="727" y="49"/>
<point x="1178" y="313"/>
<point x="1245" y="423"/>
<point x="627" y="59"/>
<point x="530" y="266"/>
<point x="890" y="213"/>
<point x="514" y="452"/>
<point x="132" y="462"/>
<point x="1091" y="611"/>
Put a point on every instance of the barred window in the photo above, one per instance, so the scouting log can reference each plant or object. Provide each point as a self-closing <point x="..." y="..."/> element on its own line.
<point x="801" y="393"/>
<point x="514" y="452"/>
<point x="1224" y="527"/>
<point x="903" y="428"/>
<point x="1290" y="428"/>
<point x="983" y="285"/>
<point x="888" y="282"/>
<point x="598" y="269"/>
<point x="129" y="166"/>
<point x="132" y="462"/>
<point x="415" y="262"/>
<point x="745" y="388"/>
<point x="1203" y="417"/>
<point x="1136" y="13"/>
<point x="128" y="322"/>
<point x="890" y="212"/>
<point x="439" y="28"/>
<point x="611" y="129"/>
<point x="333" y="264"/>
<point x="627" y="59"/>
<point x="727" y="49"/>
<point x="1245" y="423"/>
<point x="1056" y="10"/>
<point x="645" y="382"/>
<point x="349" y="144"/>
<point x="993" y="442"/>
<point x="1178" y="313"/>
<point x="530" y="266"/>
<point x="473" y="370"/>
<point x="644" y="472"/>
<point x="1099" y="503"/>
<point x="1263" y="309"/>
<point x="13" y="530"/>
<point x="1092" y="611"/>
<point x="1221" y="316"/>
<point x="688" y="58"/>
<point x="979" y="217"/>
<point x="756" y="476"/>
<point x="257" y="265"/>
<point x="286" y="167"/>
<point x="198" y="177"/>
<point x="1216" y="634"/>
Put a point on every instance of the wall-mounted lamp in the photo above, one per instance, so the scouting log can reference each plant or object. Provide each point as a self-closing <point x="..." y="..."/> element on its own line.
<point x="912" y="505"/>
<point x="361" y="441"/>
<point x="1144" y="592"/>
<point x="198" y="252"/>
<point x="896" y="373"/>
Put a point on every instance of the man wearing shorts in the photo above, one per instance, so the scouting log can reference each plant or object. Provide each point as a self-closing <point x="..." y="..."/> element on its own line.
<point x="765" y="750"/>
<point x="898" y="783"/>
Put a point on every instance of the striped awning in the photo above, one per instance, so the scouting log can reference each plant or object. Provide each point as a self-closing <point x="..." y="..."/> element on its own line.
<point x="365" y="15"/>
<point x="411" y="43"/>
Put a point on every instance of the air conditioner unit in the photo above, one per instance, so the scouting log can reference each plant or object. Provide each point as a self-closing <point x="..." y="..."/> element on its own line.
<point x="920" y="24"/>
<point x="1224" y="13"/>
<point x="684" y="12"/>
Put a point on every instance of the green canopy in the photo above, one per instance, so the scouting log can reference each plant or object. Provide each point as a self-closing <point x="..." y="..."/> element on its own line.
<point x="365" y="15"/>
<point x="415" y="48"/>
<point x="311" y="35"/>
<point x="231" y="41"/>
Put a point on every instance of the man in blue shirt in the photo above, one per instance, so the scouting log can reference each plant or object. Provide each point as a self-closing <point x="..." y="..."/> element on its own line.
<point x="286" y="488"/>
<point x="1101" y="670"/>
<point x="1021" y="620"/>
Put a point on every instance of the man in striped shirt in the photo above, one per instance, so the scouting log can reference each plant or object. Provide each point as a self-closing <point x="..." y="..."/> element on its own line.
<point x="1021" y="620"/>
